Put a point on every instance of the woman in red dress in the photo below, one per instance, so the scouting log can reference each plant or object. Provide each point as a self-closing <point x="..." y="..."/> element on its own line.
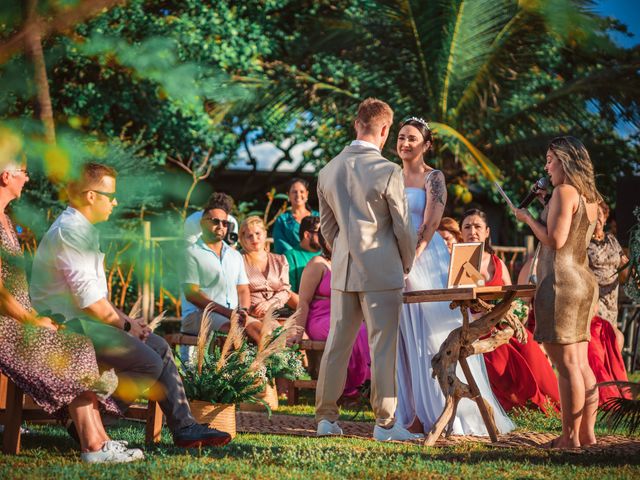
<point x="519" y="373"/>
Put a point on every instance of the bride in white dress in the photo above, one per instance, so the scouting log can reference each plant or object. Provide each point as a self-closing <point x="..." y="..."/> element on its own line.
<point x="424" y="326"/>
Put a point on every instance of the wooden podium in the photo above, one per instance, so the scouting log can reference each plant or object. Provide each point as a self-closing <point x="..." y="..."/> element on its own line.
<point x="466" y="340"/>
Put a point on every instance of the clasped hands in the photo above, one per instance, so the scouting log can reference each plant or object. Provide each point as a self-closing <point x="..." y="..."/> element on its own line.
<point x="139" y="328"/>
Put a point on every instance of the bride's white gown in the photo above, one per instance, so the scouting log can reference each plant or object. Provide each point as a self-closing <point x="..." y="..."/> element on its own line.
<point x="423" y="328"/>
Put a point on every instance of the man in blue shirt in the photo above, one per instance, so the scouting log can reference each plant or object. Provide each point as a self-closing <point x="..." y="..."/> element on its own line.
<point x="214" y="274"/>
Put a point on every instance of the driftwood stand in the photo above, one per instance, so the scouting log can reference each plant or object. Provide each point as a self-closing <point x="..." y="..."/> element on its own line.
<point x="467" y="340"/>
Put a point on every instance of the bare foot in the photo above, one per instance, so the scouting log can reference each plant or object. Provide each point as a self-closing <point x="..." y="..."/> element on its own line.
<point x="588" y="440"/>
<point x="416" y="426"/>
<point x="561" y="443"/>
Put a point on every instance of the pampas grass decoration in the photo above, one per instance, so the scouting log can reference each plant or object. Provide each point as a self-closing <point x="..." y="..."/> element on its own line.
<point x="156" y="321"/>
<point x="273" y="346"/>
<point x="136" y="310"/>
<point x="203" y="335"/>
<point x="268" y="323"/>
<point x="235" y="338"/>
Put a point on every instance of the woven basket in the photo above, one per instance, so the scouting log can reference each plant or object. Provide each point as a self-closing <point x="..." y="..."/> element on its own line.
<point x="221" y="416"/>
<point x="269" y="395"/>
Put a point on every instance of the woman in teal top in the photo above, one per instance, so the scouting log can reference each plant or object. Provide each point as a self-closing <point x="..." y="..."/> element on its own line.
<point x="286" y="229"/>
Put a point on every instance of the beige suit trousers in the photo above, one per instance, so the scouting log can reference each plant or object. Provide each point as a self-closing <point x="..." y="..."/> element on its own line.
<point x="380" y="311"/>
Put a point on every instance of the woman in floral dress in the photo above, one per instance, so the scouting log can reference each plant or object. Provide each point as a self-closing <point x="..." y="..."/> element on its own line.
<point x="55" y="368"/>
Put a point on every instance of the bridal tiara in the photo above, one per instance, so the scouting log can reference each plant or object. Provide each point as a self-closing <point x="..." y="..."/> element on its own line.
<point x="421" y="121"/>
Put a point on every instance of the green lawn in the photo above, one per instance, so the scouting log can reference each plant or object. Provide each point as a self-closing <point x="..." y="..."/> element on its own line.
<point x="49" y="453"/>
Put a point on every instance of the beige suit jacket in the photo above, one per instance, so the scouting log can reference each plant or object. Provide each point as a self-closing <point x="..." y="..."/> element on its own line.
<point x="365" y="218"/>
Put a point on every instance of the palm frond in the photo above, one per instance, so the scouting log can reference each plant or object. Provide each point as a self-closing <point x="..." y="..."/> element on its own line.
<point x="632" y="387"/>
<point x="620" y="413"/>
<point x="470" y="41"/>
<point x="488" y="168"/>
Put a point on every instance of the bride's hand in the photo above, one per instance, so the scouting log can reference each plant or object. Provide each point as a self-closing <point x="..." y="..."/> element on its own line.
<point x="420" y="248"/>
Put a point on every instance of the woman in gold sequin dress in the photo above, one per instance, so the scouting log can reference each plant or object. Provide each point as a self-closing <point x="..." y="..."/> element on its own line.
<point x="567" y="289"/>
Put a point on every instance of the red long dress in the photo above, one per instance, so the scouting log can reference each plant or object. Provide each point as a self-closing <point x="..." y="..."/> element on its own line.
<point x="605" y="358"/>
<point x="520" y="373"/>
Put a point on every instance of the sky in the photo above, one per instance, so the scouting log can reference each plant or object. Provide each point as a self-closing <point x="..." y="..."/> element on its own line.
<point x="628" y="11"/>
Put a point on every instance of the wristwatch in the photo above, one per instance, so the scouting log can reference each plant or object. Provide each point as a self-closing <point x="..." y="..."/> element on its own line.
<point x="127" y="325"/>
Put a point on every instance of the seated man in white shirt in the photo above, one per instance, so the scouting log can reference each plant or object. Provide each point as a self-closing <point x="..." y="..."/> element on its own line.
<point x="193" y="231"/>
<point x="214" y="273"/>
<point x="68" y="278"/>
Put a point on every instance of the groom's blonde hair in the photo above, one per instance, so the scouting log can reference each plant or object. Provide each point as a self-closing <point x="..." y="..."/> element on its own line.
<point x="372" y="113"/>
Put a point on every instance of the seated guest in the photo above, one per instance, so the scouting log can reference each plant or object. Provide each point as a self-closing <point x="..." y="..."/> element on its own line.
<point x="56" y="368"/>
<point x="286" y="229"/>
<point x="605" y="359"/>
<point x="315" y="305"/>
<point x="268" y="273"/>
<point x="605" y="259"/>
<point x="299" y="256"/>
<point x="519" y="373"/>
<point x="449" y="230"/>
<point x="192" y="230"/>
<point x="214" y="274"/>
<point x="68" y="278"/>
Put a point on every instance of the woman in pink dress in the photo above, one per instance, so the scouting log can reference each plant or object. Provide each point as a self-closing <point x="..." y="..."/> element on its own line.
<point x="268" y="273"/>
<point x="315" y="307"/>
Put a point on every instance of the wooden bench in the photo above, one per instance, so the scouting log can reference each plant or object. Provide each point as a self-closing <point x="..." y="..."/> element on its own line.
<point x="15" y="407"/>
<point x="177" y="339"/>
<point x="313" y="350"/>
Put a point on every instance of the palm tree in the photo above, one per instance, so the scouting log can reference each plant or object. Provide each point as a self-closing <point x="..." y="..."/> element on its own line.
<point x="495" y="78"/>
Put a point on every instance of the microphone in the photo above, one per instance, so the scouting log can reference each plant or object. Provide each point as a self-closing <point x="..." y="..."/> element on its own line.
<point x="541" y="184"/>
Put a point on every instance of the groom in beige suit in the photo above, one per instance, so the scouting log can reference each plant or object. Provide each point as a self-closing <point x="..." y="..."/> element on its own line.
<point x="364" y="218"/>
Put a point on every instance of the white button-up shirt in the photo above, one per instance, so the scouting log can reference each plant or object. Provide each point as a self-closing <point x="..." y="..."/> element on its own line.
<point x="68" y="268"/>
<point x="364" y="143"/>
<point x="217" y="277"/>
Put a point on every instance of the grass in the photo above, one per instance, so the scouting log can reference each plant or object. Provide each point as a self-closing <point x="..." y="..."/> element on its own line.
<point x="49" y="453"/>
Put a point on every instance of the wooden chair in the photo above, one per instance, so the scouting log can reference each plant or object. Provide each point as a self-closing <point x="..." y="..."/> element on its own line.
<point x="513" y="257"/>
<point x="15" y="407"/>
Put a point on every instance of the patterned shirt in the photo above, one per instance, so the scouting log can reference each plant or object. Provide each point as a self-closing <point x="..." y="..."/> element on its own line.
<point x="604" y="260"/>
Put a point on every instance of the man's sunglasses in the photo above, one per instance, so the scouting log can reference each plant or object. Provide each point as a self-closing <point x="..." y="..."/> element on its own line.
<point x="217" y="221"/>
<point x="110" y="195"/>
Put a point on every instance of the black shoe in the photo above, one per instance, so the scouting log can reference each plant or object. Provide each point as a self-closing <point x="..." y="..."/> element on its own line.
<point x="200" y="435"/>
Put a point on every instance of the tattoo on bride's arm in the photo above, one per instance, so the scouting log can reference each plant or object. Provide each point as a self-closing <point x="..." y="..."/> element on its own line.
<point x="436" y="189"/>
<point x="422" y="234"/>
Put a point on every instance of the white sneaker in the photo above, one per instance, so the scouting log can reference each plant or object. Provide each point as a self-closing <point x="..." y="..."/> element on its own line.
<point x="112" y="452"/>
<point x="397" y="432"/>
<point x="325" y="428"/>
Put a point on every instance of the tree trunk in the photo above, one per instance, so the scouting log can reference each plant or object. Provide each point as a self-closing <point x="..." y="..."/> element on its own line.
<point x="34" y="49"/>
